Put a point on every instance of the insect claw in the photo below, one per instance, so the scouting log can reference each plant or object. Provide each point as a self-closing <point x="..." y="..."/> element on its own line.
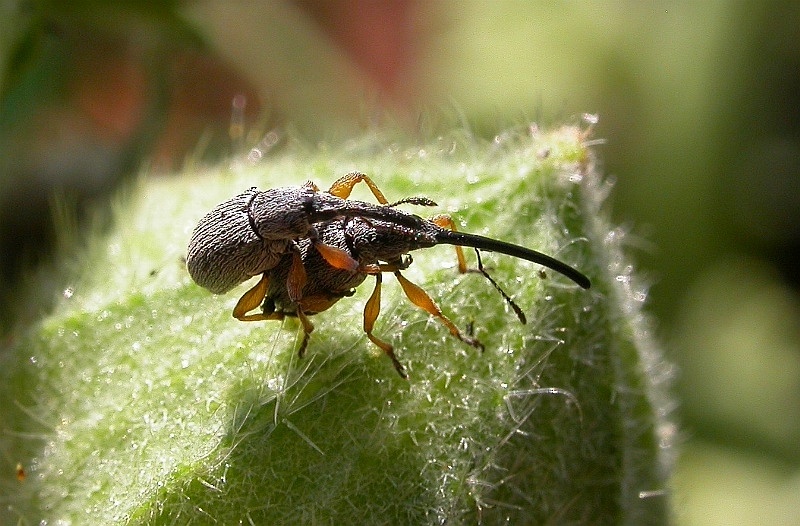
<point x="308" y="328"/>
<point x="301" y="351"/>
<point x="474" y="342"/>
<point x="389" y="351"/>
<point x="399" y="367"/>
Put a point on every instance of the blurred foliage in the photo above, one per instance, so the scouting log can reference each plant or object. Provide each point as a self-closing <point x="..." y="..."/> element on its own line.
<point x="91" y="91"/>
<point x="698" y="105"/>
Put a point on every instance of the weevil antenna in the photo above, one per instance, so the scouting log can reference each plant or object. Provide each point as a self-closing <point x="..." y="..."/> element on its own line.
<point x="450" y="237"/>
<point x="511" y="303"/>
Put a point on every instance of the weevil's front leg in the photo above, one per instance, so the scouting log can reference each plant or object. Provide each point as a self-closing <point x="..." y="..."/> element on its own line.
<point x="251" y="300"/>
<point x="421" y="299"/>
<point x="445" y="221"/>
<point x="312" y="305"/>
<point x="371" y="311"/>
<point x="338" y="258"/>
<point x="295" y="283"/>
<point x="344" y="185"/>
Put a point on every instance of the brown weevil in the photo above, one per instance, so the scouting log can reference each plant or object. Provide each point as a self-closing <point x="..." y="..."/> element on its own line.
<point x="319" y="246"/>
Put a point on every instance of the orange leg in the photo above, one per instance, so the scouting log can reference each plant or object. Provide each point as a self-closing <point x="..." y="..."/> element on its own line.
<point x="344" y="185"/>
<point x="297" y="278"/>
<point x="342" y="188"/>
<point x="445" y="221"/>
<point x="312" y="304"/>
<point x="308" y="328"/>
<point x="251" y="300"/>
<point x="336" y="257"/>
<point x="371" y="311"/>
<point x="294" y="283"/>
<point x="311" y="185"/>
<point x="421" y="299"/>
<point x="377" y="268"/>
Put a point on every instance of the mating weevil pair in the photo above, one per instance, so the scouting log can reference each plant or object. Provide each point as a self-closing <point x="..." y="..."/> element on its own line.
<point x="313" y="248"/>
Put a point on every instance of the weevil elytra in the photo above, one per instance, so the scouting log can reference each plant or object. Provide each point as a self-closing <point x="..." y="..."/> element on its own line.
<point x="313" y="248"/>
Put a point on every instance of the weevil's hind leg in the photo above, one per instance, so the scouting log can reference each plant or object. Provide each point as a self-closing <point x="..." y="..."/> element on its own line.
<point x="308" y="328"/>
<point x="295" y="283"/>
<point x="344" y="185"/>
<point x="445" y="221"/>
<point x="371" y="311"/>
<point x="421" y="299"/>
<point x="251" y="299"/>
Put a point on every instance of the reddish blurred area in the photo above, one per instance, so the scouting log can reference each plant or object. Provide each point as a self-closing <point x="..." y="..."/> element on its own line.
<point x="378" y="37"/>
<point x="118" y="80"/>
<point x="93" y="96"/>
<point x="116" y="84"/>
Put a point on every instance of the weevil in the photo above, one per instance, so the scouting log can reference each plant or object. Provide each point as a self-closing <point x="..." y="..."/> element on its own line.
<point x="249" y="233"/>
<point x="329" y="257"/>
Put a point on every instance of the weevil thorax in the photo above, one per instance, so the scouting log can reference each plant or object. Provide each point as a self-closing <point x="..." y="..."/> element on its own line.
<point x="375" y="239"/>
<point x="283" y="213"/>
<point x="224" y="250"/>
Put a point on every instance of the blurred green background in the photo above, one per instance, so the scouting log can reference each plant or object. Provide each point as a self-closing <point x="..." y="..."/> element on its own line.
<point x="699" y="107"/>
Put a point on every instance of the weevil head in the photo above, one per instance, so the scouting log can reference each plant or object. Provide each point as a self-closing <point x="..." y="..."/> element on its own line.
<point x="224" y="250"/>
